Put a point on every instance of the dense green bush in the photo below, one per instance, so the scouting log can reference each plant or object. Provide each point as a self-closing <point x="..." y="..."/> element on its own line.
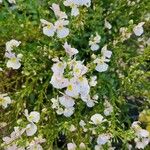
<point x="103" y="118"/>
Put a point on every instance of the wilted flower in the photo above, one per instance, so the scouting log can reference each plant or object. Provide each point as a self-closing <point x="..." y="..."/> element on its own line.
<point x="4" y="100"/>
<point x="138" y="30"/>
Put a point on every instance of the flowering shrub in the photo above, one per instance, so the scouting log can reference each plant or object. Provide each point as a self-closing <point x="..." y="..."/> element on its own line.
<point x="74" y="74"/>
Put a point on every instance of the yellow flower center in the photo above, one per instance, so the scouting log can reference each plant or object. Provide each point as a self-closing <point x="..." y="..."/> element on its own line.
<point x="49" y="26"/>
<point x="77" y="70"/>
<point x="60" y="65"/>
<point x="13" y="59"/>
<point x="60" y="27"/>
<point x="31" y="117"/>
<point x="1" y="101"/>
<point x="70" y="88"/>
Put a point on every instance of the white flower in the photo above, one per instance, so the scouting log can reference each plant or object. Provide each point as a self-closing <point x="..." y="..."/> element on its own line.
<point x="79" y="69"/>
<point x="4" y="100"/>
<point x="71" y="146"/>
<point x="93" y="81"/>
<point x="103" y="139"/>
<point x="68" y="111"/>
<point x="61" y="30"/>
<point x="88" y="100"/>
<point x="105" y="52"/>
<point x="94" y="41"/>
<point x="71" y="51"/>
<point x="101" y="64"/>
<point x="14" y="61"/>
<point x="135" y="125"/>
<point x="142" y="133"/>
<point x="59" y="82"/>
<point x="138" y="30"/>
<point x="107" y="24"/>
<point x="34" y="116"/>
<point x="97" y="119"/>
<point x="141" y="143"/>
<point x="72" y="89"/>
<point x="82" y="123"/>
<point x="1" y="1"/>
<point x="31" y="129"/>
<point x="1" y="69"/>
<point x="66" y="101"/>
<point x="58" y="13"/>
<point x="48" y="28"/>
<point x="83" y="86"/>
<point x="12" y="1"/>
<point x="74" y="7"/>
<point x="108" y="108"/>
<point x="10" y="45"/>
<point x="58" y="68"/>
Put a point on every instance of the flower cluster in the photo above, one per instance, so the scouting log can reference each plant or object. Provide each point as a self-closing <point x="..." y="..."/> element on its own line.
<point x="59" y="26"/>
<point x="13" y="59"/>
<point x="69" y="63"/>
<point x="101" y="63"/>
<point x="10" y="142"/>
<point x="142" y="138"/>
<point x="76" y="85"/>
